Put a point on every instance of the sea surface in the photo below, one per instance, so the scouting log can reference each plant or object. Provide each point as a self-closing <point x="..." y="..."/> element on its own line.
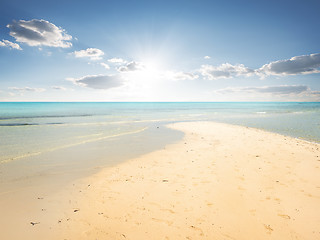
<point x="29" y="130"/>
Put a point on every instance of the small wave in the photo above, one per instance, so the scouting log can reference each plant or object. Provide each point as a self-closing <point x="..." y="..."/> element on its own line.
<point x="45" y="116"/>
<point x="27" y="124"/>
<point x="194" y="115"/>
<point x="261" y="112"/>
<point x="17" y="124"/>
<point x="19" y="157"/>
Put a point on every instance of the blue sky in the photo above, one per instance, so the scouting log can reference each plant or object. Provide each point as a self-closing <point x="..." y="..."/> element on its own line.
<point x="159" y="51"/>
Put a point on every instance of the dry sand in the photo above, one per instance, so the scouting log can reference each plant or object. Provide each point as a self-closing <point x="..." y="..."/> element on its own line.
<point x="220" y="182"/>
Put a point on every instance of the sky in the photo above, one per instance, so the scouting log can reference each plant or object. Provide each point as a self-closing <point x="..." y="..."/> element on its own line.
<point x="132" y="50"/>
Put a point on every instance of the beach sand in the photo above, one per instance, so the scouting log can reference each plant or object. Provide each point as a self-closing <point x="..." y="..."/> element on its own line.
<point x="220" y="182"/>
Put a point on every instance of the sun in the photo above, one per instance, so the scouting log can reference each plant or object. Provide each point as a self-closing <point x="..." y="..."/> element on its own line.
<point x="146" y="71"/>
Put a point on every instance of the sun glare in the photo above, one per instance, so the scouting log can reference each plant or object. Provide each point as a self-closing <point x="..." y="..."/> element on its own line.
<point x="149" y="71"/>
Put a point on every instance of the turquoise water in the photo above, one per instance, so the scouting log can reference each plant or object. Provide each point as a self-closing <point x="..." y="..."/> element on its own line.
<point x="31" y="129"/>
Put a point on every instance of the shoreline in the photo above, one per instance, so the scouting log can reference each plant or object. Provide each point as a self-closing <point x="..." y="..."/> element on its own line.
<point x="206" y="186"/>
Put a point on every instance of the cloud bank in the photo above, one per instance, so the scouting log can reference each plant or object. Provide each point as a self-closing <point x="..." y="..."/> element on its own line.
<point x="282" y="89"/>
<point x="270" y="93"/>
<point x="184" y="76"/>
<point x="117" y="60"/>
<point x="305" y="64"/>
<point x="39" y="33"/>
<point x="131" y="66"/>
<point x="106" y="66"/>
<point x="98" y="81"/>
<point x="91" y="53"/>
<point x="7" y="43"/>
<point x="59" y="88"/>
<point x="27" y="89"/>
<point x="225" y="70"/>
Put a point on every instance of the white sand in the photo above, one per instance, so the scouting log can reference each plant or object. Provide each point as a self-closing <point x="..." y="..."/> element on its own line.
<point x="220" y="182"/>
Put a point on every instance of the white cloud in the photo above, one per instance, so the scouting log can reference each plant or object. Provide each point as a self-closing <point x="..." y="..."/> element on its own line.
<point x="39" y="33"/>
<point x="206" y="57"/>
<point x="305" y="64"/>
<point x="27" y="89"/>
<point x="7" y="43"/>
<point x="92" y="53"/>
<point x="98" y="81"/>
<point x="59" y="88"/>
<point x="225" y="70"/>
<point x="184" y="76"/>
<point x="282" y="89"/>
<point x="131" y="66"/>
<point x="106" y="66"/>
<point x="117" y="60"/>
<point x="270" y="93"/>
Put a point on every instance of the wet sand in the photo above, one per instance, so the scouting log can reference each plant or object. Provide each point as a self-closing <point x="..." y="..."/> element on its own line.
<point x="220" y="182"/>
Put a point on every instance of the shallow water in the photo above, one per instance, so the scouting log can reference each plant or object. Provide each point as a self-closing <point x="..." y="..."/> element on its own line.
<point x="45" y="146"/>
<point x="32" y="129"/>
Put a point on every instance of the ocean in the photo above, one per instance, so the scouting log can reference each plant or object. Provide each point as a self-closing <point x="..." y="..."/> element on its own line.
<point x="30" y="129"/>
<point x="44" y="146"/>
